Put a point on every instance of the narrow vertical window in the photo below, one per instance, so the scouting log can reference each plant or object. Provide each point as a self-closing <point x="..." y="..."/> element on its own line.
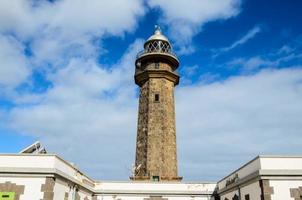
<point x="247" y="197"/>
<point x="155" y="178"/>
<point x="156" y="97"/>
<point x="157" y="65"/>
<point x="235" y="197"/>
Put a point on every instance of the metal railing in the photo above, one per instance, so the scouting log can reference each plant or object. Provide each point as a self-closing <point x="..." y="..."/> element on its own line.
<point x="144" y="52"/>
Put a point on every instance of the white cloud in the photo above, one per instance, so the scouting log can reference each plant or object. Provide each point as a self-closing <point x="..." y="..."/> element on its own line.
<point x="89" y="110"/>
<point x="248" y="36"/>
<point x="190" y="70"/>
<point x="97" y="16"/>
<point x="219" y="125"/>
<point x="74" y="29"/>
<point x="85" y="99"/>
<point x="186" y="17"/>
<point x="196" y="11"/>
<point x="224" y="124"/>
<point x="252" y="63"/>
<point x="13" y="67"/>
<point x="69" y="17"/>
<point x="17" y="17"/>
<point x="279" y="57"/>
<point x="285" y="49"/>
<point x="58" y="31"/>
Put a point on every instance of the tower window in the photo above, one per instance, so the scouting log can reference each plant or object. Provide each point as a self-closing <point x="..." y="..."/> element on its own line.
<point x="155" y="178"/>
<point x="156" y="97"/>
<point x="157" y="65"/>
<point x="247" y="197"/>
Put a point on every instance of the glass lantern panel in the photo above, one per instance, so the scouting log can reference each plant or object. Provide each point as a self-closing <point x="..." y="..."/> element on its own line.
<point x="158" y="46"/>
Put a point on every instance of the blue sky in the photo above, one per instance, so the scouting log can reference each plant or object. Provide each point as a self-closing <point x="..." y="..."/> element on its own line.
<point x="66" y="79"/>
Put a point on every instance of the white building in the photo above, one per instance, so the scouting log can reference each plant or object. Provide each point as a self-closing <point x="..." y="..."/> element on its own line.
<point x="47" y="177"/>
<point x="264" y="178"/>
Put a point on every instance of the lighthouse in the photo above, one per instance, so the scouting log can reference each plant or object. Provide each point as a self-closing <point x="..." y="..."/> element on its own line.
<point x="155" y="74"/>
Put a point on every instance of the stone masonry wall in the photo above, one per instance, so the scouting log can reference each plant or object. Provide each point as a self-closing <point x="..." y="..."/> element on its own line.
<point x="156" y="137"/>
<point x="142" y="132"/>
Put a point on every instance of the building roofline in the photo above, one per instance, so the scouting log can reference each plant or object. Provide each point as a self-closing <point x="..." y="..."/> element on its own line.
<point x="142" y="192"/>
<point x="259" y="157"/>
<point x="162" y="182"/>
<point x="255" y="158"/>
<point x="154" y="182"/>
<point x="280" y="156"/>
<point x="49" y="155"/>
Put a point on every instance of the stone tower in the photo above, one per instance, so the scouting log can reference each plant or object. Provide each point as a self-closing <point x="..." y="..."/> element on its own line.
<point x="156" y="157"/>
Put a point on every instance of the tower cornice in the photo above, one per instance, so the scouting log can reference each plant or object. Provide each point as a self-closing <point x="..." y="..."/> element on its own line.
<point x="144" y="56"/>
<point x="142" y="77"/>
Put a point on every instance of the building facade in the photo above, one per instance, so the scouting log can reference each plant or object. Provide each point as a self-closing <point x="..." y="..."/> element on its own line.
<point x="42" y="176"/>
<point x="49" y="177"/>
<point x="264" y="178"/>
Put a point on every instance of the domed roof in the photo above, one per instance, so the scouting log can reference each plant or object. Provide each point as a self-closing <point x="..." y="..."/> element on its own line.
<point x="157" y="36"/>
<point x="157" y="47"/>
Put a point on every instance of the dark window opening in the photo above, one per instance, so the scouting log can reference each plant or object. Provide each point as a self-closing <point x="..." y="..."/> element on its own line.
<point x="156" y="98"/>
<point x="155" y="178"/>
<point x="247" y="197"/>
<point x="235" y="197"/>
<point x="156" y="65"/>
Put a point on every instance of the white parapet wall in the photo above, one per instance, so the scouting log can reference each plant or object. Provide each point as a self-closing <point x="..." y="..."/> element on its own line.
<point x="43" y="175"/>
<point x="47" y="176"/>
<point x="145" y="190"/>
<point x="43" y="164"/>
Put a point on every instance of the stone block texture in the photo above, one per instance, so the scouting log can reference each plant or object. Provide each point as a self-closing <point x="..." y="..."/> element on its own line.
<point x="266" y="190"/>
<point x="156" y="134"/>
<point x="296" y="193"/>
<point x="47" y="188"/>
<point x="12" y="187"/>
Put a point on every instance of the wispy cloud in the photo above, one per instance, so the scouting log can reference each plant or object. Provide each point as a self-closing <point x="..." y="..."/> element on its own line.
<point x="14" y="68"/>
<point x="248" y="36"/>
<point x="54" y="33"/>
<point x="236" y="115"/>
<point x="249" y="64"/>
<point x="280" y="57"/>
<point x="245" y="108"/>
<point x="251" y="34"/>
<point x="184" y="24"/>
<point x="90" y="101"/>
